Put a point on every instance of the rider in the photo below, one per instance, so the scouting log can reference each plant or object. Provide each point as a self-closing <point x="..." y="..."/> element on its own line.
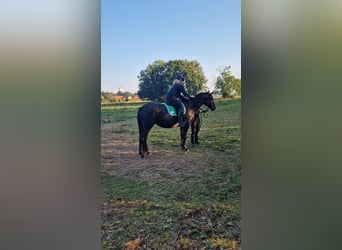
<point x="173" y="95"/>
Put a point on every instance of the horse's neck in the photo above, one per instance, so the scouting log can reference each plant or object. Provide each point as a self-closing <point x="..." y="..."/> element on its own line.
<point x="197" y="102"/>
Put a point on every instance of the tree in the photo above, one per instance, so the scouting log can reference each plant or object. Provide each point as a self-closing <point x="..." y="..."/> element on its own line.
<point x="226" y="84"/>
<point x="107" y="96"/>
<point x="157" y="78"/>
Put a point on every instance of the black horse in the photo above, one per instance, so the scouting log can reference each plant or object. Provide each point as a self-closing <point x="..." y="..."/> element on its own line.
<point x="156" y="113"/>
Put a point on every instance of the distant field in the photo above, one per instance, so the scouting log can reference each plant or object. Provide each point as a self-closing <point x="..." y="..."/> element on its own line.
<point x="172" y="199"/>
<point x="120" y="111"/>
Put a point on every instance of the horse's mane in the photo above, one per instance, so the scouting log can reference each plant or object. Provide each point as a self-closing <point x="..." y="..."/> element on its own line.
<point x="192" y="100"/>
<point x="184" y="99"/>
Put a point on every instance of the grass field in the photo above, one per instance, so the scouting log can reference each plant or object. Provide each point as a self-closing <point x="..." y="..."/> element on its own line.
<point x="120" y="112"/>
<point x="172" y="200"/>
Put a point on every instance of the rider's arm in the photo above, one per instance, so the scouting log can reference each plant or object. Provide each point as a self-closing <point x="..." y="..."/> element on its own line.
<point x="184" y="92"/>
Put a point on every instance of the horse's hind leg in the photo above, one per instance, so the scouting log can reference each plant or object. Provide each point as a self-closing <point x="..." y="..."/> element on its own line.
<point x="143" y="149"/>
<point x="141" y="153"/>
<point x="144" y="145"/>
<point x="142" y="136"/>
<point x="145" y="123"/>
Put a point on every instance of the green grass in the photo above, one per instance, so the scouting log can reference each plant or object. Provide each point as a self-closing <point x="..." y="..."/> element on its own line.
<point x="125" y="129"/>
<point x="119" y="112"/>
<point x="185" y="212"/>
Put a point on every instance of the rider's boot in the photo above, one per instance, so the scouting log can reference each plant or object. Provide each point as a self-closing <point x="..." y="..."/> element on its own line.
<point x="181" y="119"/>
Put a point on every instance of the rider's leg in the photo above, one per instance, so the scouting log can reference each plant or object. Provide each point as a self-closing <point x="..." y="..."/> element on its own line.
<point x="181" y="117"/>
<point x="181" y="120"/>
<point x="179" y="109"/>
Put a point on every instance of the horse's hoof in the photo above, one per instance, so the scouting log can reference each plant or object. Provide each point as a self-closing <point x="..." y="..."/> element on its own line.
<point x="185" y="149"/>
<point x="145" y="153"/>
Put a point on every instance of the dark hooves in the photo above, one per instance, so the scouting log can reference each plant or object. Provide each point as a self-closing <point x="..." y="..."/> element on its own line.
<point x="143" y="154"/>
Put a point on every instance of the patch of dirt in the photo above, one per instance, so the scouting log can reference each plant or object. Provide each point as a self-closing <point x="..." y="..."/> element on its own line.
<point x="120" y="158"/>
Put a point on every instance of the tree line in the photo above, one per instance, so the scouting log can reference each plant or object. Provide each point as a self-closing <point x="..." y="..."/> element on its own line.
<point x="157" y="78"/>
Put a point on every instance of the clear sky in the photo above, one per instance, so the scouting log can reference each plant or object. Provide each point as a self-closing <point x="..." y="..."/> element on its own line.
<point x="135" y="33"/>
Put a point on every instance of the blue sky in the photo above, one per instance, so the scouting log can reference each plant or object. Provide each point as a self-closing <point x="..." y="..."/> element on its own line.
<point x="135" y="33"/>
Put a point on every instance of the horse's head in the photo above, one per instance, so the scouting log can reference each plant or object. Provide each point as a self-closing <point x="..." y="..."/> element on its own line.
<point x="209" y="100"/>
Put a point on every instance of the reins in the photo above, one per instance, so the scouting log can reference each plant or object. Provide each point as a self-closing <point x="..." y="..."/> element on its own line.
<point x="203" y="112"/>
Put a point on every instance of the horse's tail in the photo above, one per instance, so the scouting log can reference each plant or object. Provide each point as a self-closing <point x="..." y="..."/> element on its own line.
<point x="139" y="120"/>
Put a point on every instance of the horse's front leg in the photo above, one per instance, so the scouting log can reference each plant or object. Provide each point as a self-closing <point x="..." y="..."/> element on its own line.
<point x="195" y="128"/>
<point x="193" y="134"/>
<point x="183" y="132"/>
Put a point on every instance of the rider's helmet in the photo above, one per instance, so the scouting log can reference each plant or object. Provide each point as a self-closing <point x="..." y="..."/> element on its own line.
<point x="180" y="77"/>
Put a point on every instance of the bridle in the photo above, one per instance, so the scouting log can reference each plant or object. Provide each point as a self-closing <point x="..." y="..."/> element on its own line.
<point x="203" y="110"/>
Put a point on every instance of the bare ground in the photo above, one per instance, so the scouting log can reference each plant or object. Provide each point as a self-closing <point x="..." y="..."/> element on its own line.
<point x="119" y="157"/>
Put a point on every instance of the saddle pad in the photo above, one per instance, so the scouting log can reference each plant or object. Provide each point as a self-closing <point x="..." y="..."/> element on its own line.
<point x="171" y="109"/>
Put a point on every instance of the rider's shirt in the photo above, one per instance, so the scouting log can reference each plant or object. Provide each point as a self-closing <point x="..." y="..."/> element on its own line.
<point x="176" y="90"/>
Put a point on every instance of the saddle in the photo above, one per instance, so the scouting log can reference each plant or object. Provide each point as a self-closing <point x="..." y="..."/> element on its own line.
<point x="172" y="111"/>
